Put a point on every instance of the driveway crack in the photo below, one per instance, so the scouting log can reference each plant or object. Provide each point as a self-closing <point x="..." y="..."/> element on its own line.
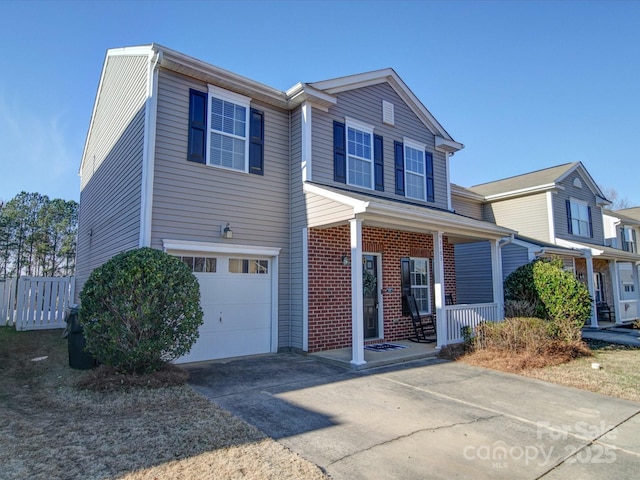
<point x="410" y="434"/>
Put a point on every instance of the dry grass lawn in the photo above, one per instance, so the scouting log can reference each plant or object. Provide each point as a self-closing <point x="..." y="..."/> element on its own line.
<point x="50" y="428"/>
<point x="619" y="375"/>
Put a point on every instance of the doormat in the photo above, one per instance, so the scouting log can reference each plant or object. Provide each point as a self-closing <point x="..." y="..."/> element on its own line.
<point x="384" y="347"/>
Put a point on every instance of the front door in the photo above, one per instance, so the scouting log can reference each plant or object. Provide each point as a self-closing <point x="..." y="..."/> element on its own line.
<point x="370" y="295"/>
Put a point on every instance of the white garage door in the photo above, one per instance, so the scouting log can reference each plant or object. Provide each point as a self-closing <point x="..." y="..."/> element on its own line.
<point x="235" y="295"/>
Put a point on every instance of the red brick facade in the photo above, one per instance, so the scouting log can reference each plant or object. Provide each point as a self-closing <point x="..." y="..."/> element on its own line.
<point x="330" y="281"/>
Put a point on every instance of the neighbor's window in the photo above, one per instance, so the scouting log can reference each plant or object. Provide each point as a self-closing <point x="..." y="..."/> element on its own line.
<point x="580" y="219"/>
<point x="414" y="171"/>
<point x="359" y="154"/>
<point x="228" y="144"/>
<point x="201" y="264"/>
<point x="248" y="265"/>
<point x="420" y="287"/>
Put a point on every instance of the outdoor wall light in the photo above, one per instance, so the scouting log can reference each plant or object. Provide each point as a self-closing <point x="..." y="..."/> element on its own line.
<point x="345" y="260"/>
<point x="226" y="232"/>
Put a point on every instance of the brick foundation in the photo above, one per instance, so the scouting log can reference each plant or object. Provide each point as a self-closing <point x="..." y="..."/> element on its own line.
<point x="330" y="281"/>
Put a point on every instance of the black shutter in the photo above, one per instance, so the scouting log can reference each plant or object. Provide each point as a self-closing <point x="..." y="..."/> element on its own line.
<point x="378" y="163"/>
<point x="428" y="157"/>
<point x="339" y="153"/>
<point x="398" y="149"/>
<point x="197" y="127"/>
<point x="405" y="275"/>
<point x="569" y="222"/>
<point x="256" y="142"/>
<point x="590" y="222"/>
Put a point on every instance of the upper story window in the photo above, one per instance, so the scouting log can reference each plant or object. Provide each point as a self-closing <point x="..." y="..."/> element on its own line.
<point x="579" y="218"/>
<point x="359" y="154"/>
<point x="414" y="171"/>
<point x="228" y="145"/>
<point x="225" y="132"/>
<point x="629" y="240"/>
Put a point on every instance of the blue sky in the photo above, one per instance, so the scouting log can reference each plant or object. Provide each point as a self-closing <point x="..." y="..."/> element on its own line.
<point x="524" y="85"/>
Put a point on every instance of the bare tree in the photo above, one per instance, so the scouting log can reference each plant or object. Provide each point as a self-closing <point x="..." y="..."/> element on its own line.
<point x="617" y="202"/>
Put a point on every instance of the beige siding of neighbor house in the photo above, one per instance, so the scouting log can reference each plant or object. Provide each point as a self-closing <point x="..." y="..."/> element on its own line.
<point x="111" y="172"/>
<point x="365" y="105"/>
<point x="528" y="215"/>
<point x="584" y="194"/>
<point x="192" y="201"/>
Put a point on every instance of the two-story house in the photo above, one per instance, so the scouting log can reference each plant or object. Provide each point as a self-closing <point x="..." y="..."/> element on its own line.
<point x="557" y="212"/>
<point x="305" y="214"/>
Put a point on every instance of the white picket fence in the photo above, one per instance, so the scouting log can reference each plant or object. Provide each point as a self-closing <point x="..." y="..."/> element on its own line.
<point x="38" y="303"/>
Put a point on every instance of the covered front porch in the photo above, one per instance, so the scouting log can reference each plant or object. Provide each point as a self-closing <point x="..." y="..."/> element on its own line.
<point x="613" y="281"/>
<point x="382" y="232"/>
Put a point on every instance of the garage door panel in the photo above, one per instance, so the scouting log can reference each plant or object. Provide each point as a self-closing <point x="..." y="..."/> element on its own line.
<point x="243" y="302"/>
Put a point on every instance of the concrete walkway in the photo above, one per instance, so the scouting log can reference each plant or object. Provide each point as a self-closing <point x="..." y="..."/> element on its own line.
<point x="617" y="335"/>
<point x="427" y="419"/>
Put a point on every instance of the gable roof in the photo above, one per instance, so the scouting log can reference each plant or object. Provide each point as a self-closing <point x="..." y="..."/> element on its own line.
<point x="388" y="75"/>
<point x="631" y="213"/>
<point x="532" y="182"/>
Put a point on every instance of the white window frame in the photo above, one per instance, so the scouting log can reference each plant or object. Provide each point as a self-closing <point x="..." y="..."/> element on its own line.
<point x="368" y="129"/>
<point x="237" y="99"/>
<point x="577" y="220"/>
<point x="420" y="147"/>
<point x="426" y="287"/>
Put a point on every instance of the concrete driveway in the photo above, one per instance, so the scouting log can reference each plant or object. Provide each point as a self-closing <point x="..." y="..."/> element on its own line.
<point x="426" y="419"/>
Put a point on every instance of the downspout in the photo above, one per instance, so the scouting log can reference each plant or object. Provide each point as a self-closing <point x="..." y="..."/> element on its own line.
<point x="148" y="152"/>
<point x="506" y="240"/>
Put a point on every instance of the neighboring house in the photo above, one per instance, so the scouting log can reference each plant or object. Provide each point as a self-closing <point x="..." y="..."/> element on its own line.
<point x="558" y="212"/>
<point x="306" y="214"/>
<point x="622" y="231"/>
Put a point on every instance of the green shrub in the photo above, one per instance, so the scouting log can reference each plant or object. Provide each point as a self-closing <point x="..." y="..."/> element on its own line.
<point x="543" y="289"/>
<point x="140" y="310"/>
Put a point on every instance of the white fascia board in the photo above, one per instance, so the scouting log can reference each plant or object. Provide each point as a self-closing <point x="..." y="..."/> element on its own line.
<point x="578" y="246"/>
<point x="358" y="206"/>
<point x="170" y="245"/>
<point x="587" y="177"/>
<point x="448" y="146"/>
<point x="223" y="78"/>
<point x="341" y="84"/>
<point x="523" y="191"/>
<point x="302" y="92"/>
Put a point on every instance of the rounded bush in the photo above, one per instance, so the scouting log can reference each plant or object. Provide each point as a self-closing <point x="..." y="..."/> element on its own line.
<point x="543" y="287"/>
<point x="140" y="310"/>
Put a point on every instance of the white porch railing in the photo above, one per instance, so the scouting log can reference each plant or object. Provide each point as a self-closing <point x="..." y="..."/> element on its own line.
<point x="628" y="310"/>
<point x="40" y="302"/>
<point x="460" y="316"/>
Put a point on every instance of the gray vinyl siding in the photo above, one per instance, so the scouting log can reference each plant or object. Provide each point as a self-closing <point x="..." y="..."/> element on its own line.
<point x="474" y="280"/>
<point x="111" y="174"/>
<point x="527" y="215"/>
<point x="192" y="201"/>
<point x="513" y="256"/>
<point x="365" y="105"/>
<point x="584" y="194"/>
<point x="467" y="207"/>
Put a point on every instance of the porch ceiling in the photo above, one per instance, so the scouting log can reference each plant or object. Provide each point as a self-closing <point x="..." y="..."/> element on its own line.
<point x="330" y="206"/>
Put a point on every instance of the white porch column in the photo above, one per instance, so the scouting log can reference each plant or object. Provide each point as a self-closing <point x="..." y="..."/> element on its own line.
<point x="594" y="311"/>
<point x="615" y="288"/>
<point x="636" y="286"/>
<point x="357" y="312"/>
<point x="438" y="287"/>
<point x="496" y="274"/>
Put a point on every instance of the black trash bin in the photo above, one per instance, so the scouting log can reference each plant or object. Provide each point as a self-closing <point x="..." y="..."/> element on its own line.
<point x="78" y="357"/>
